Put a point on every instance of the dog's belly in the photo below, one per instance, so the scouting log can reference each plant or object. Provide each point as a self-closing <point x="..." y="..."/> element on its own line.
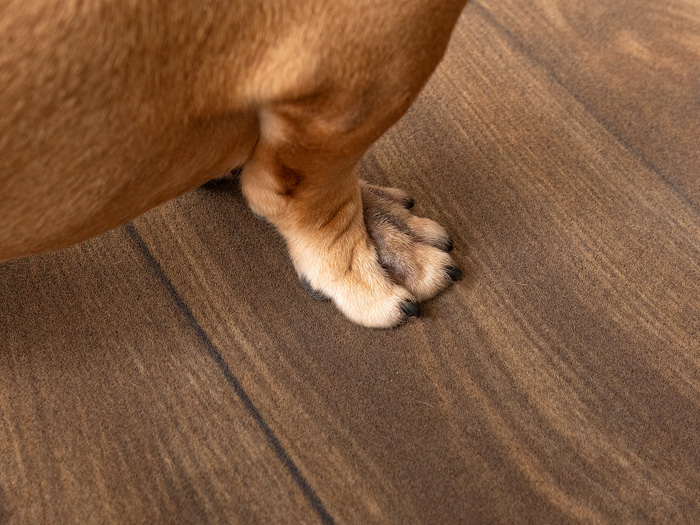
<point x="109" y="108"/>
<point x="85" y="185"/>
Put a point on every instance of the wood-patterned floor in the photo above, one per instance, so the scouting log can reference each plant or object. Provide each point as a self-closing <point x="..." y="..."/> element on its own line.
<point x="174" y="370"/>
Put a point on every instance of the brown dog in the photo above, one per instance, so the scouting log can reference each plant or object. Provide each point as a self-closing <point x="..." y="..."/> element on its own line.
<point x="109" y="108"/>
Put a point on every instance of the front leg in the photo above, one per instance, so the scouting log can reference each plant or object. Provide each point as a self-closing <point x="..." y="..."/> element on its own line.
<point x="353" y="243"/>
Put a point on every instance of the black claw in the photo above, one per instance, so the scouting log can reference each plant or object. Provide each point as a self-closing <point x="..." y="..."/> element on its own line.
<point x="411" y="309"/>
<point x="408" y="203"/>
<point x="454" y="273"/>
<point x="448" y="246"/>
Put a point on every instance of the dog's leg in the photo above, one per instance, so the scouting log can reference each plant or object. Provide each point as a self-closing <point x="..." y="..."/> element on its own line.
<point x="355" y="244"/>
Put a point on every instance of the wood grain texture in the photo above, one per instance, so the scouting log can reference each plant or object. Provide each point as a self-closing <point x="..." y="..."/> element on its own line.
<point x="175" y="369"/>
<point x="111" y="409"/>
<point x="635" y="66"/>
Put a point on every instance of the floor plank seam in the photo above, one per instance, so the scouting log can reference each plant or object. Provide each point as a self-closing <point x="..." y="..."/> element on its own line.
<point x="214" y="353"/>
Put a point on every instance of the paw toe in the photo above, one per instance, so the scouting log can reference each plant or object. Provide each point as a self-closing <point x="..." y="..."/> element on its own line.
<point x="411" y="309"/>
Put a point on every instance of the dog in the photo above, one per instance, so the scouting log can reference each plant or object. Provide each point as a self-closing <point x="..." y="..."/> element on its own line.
<point x="109" y="108"/>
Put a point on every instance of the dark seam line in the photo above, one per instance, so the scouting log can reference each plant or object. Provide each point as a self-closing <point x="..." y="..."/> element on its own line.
<point x="214" y="353"/>
<point x="601" y="121"/>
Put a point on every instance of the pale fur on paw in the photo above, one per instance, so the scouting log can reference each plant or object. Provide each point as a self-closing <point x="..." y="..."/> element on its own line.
<point x="380" y="263"/>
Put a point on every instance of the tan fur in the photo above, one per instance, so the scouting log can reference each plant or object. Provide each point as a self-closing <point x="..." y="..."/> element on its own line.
<point x="110" y="108"/>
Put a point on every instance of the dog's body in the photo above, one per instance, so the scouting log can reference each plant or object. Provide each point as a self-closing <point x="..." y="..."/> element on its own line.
<point x="110" y="108"/>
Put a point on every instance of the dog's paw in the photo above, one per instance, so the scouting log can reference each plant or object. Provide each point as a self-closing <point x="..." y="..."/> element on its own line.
<point x="412" y="250"/>
<point x="380" y="264"/>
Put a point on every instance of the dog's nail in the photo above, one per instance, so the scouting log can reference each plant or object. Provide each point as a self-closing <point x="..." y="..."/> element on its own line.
<point x="448" y="246"/>
<point x="454" y="273"/>
<point x="411" y="309"/>
<point x="408" y="203"/>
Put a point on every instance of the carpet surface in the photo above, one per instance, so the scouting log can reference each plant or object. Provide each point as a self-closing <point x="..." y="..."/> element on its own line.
<point x="174" y="370"/>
